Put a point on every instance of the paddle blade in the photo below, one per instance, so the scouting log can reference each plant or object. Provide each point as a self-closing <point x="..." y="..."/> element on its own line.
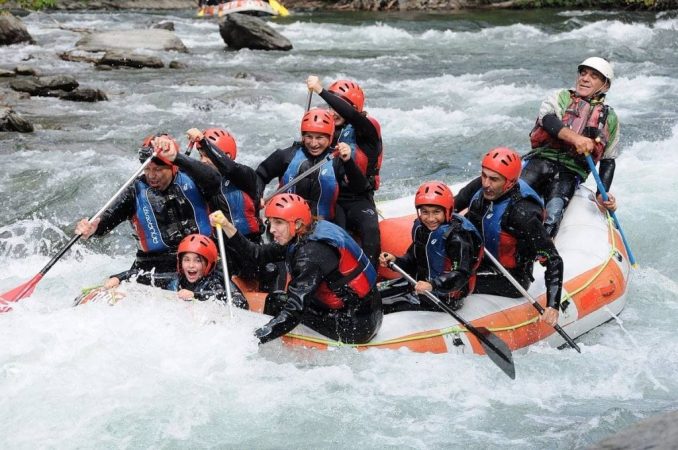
<point x="21" y="291"/>
<point x="497" y="350"/>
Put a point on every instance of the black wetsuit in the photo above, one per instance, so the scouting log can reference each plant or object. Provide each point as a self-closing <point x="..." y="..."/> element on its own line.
<point x="356" y="210"/>
<point x="462" y="248"/>
<point x="243" y="178"/>
<point x="176" y="220"/>
<point x="309" y="188"/>
<point x="522" y="220"/>
<point x="311" y="263"/>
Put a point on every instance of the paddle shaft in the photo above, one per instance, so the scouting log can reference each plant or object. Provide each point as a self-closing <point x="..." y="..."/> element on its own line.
<point x="28" y="288"/>
<point x="224" y="267"/>
<point x="329" y="157"/>
<point x="488" y="345"/>
<point x="527" y="295"/>
<point x="603" y="193"/>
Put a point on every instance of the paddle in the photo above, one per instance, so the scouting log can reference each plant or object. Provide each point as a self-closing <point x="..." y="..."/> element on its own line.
<point x="603" y="193"/>
<point x="26" y="289"/>
<point x="494" y="347"/>
<point x="224" y="267"/>
<point x="527" y="295"/>
<point x="329" y="157"/>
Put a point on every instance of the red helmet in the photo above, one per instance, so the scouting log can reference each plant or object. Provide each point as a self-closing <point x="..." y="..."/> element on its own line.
<point x="505" y="162"/>
<point x="146" y="150"/>
<point x="435" y="193"/>
<point x="289" y="207"/>
<point x="222" y="140"/>
<point x="201" y="245"/>
<point x="349" y="91"/>
<point x="318" y="120"/>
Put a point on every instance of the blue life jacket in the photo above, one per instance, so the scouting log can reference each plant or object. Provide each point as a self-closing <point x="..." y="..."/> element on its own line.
<point x="151" y="222"/>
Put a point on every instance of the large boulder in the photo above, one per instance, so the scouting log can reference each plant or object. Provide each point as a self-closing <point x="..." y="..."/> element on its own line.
<point x="11" y="121"/>
<point x="658" y="432"/>
<point x="42" y="86"/>
<point x="129" y="59"/>
<point x="150" y="39"/>
<point x="243" y="31"/>
<point x="13" y="30"/>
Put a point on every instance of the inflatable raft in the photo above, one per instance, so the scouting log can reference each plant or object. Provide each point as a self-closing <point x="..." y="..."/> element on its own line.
<point x="596" y="271"/>
<point x="255" y="7"/>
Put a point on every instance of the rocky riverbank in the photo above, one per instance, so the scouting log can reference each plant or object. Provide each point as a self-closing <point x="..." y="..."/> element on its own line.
<point x="355" y="5"/>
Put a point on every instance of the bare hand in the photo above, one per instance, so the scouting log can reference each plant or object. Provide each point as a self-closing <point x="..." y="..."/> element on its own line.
<point x="385" y="258"/>
<point x="344" y="151"/>
<point x="584" y="145"/>
<point x="112" y="283"/>
<point x="423" y="286"/>
<point x="185" y="294"/>
<point x="313" y="83"/>
<point x="218" y="218"/>
<point x="85" y="228"/>
<point x="610" y="204"/>
<point x="550" y="316"/>
<point x="195" y="135"/>
<point x="168" y="147"/>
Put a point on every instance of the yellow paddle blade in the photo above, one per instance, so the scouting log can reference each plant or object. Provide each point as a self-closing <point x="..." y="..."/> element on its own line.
<point x="282" y="11"/>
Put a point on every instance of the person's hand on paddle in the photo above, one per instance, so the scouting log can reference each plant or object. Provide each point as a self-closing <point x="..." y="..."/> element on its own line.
<point x="218" y="218"/>
<point x="550" y="316"/>
<point x="112" y="283"/>
<point x="85" y="228"/>
<point x="185" y="295"/>
<point x="195" y="135"/>
<point x="314" y="84"/>
<point x="583" y="144"/>
<point x="385" y="258"/>
<point x="168" y="147"/>
<point x="423" y="286"/>
<point x="344" y="151"/>
<point x="610" y="204"/>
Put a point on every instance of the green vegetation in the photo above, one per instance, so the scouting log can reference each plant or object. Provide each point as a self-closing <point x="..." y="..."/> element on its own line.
<point x="611" y="4"/>
<point x="32" y="4"/>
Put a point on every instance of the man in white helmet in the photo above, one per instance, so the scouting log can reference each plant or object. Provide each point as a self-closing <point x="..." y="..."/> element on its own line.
<point x="572" y="123"/>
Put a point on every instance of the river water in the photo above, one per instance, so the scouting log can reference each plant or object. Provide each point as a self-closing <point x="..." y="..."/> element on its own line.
<point x="446" y="88"/>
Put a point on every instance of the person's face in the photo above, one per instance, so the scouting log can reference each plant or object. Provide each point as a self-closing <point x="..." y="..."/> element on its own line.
<point x="158" y="176"/>
<point x="493" y="184"/>
<point x="590" y="82"/>
<point x="280" y="229"/>
<point x="338" y="120"/>
<point x="316" y="143"/>
<point x="193" y="266"/>
<point x="431" y="216"/>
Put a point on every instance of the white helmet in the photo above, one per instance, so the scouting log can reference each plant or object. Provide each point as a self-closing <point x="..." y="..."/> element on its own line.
<point x="599" y="64"/>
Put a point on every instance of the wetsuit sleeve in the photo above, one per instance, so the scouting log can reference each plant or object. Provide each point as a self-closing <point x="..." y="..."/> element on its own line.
<point x="122" y="209"/>
<point x="552" y="124"/>
<point x="460" y="249"/>
<point x="369" y="140"/>
<point x="525" y="219"/>
<point x="607" y="167"/>
<point x="407" y="262"/>
<point x="259" y="254"/>
<point x="272" y="167"/>
<point x="242" y="176"/>
<point x="312" y="263"/>
<point x="126" y="275"/>
<point x="462" y="199"/>
<point x="206" y="178"/>
<point x="356" y="181"/>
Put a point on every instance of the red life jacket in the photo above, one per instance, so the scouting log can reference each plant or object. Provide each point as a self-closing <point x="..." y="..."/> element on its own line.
<point x="369" y="167"/>
<point x="354" y="269"/>
<point x="584" y="117"/>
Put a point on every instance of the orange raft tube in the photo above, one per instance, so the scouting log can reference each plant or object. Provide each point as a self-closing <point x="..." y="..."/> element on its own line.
<point x="596" y="271"/>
